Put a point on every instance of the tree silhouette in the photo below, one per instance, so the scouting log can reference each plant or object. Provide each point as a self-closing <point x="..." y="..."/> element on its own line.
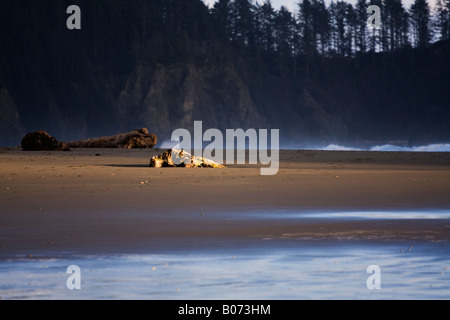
<point x="395" y="25"/>
<point x="306" y="27"/>
<point x="222" y="13"/>
<point x="285" y="29"/>
<point x="443" y="19"/>
<point x="321" y="25"/>
<point x="266" y="26"/>
<point x="342" y="27"/>
<point x="361" y="26"/>
<point x="420" y="23"/>
<point x="242" y="22"/>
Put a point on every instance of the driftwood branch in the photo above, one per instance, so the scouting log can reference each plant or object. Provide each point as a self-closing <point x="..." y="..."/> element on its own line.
<point x="139" y="138"/>
<point x="179" y="158"/>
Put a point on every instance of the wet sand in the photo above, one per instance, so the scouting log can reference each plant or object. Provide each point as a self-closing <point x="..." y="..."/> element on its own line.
<point x="224" y="233"/>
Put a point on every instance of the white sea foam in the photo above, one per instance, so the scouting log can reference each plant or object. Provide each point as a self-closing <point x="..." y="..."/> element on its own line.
<point x="439" y="147"/>
<point x="336" y="147"/>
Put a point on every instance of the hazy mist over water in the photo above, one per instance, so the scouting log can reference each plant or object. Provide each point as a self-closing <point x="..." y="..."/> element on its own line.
<point x="435" y="147"/>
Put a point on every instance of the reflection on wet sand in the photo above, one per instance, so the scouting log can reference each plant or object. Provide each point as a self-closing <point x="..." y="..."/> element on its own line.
<point x="281" y="255"/>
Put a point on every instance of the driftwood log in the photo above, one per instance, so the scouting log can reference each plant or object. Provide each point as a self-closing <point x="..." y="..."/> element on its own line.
<point x="42" y="141"/>
<point x="139" y="138"/>
<point x="179" y="158"/>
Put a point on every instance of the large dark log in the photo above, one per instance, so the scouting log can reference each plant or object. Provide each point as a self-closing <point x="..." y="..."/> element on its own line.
<point x="41" y="140"/>
<point x="139" y="138"/>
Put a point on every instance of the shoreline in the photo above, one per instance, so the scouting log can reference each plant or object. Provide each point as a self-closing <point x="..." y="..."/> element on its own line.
<point x="190" y="233"/>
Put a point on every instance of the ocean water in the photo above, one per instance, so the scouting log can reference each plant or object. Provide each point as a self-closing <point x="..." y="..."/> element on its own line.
<point x="278" y="267"/>
<point x="295" y="271"/>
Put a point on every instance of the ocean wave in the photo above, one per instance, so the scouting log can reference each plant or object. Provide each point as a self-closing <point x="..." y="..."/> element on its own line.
<point x="439" y="147"/>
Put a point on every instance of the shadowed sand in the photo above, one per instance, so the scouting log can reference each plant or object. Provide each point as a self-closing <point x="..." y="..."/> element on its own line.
<point x="107" y="200"/>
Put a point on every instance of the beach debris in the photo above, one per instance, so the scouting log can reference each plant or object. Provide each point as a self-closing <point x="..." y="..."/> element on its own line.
<point x="180" y="158"/>
<point x="409" y="249"/>
<point x="41" y="140"/>
<point x="139" y="138"/>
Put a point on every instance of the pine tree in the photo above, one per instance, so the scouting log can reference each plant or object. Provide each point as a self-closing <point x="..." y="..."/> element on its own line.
<point x="285" y="29"/>
<point x="321" y="25"/>
<point x="350" y="17"/>
<point x="394" y="26"/>
<point x="222" y="15"/>
<point x="361" y="26"/>
<point x="443" y="19"/>
<point x="342" y="27"/>
<point x="306" y="27"/>
<point x="266" y="25"/>
<point x="420" y="23"/>
<point x="242" y="22"/>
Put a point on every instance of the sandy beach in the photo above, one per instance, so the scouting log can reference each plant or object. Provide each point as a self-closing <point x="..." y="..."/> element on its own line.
<point x="108" y="201"/>
<point x="87" y="199"/>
